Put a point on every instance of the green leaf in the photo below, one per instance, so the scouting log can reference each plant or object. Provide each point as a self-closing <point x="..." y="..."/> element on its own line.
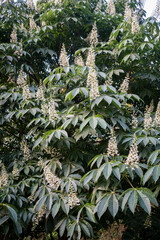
<point x="144" y="202"/>
<point x="4" y="219"/>
<point x="62" y="228"/>
<point x="133" y="199"/>
<point x="93" y="122"/>
<point x="113" y="205"/>
<point x="102" y="123"/>
<point x="84" y="123"/>
<point x="103" y="205"/>
<point x="55" y="209"/>
<point x="107" y="170"/>
<point x="90" y="215"/>
<point x="153" y="156"/>
<point x="71" y="230"/>
<point x="147" y="175"/>
<point x="125" y="198"/>
<point x="11" y="211"/>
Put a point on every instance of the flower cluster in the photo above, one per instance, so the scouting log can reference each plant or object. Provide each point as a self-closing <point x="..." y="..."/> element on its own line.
<point x="92" y="82"/>
<point x="19" y="52"/>
<point x="44" y="108"/>
<point x="73" y="200"/>
<point x="133" y="158"/>
<point x="53" y="181"/>
<point x="38" y="217"/>
<point x="21" y="79"/>
<point x="157" y="9"/>
<point x="30" y="4"/>
<point x="63" y="59"/>
<point x="135" y="24"/>
<point x="13" y="37"/>
<point x="58" y="2"/>
<point x="26" y="92"/>
<point x="43" y="23"/>
<point x="127" y="13"/>
<point x="52" y="111"/>
<point x="40" y="93"/>
<point x="109" y="81"/>
<point x="112" y="149"/>
<point x="15" y="171"/>
<point x="93" y="35"/>
<point x="134" y="121"/>
<point x="32" y="24"/>
<point x="79" y="60"/>
<point x="156" y="122"/>
<point x="147" y="116"/>
<point x="91" y="58"/>
<point x="111" y="10"/>
<point x="3" y="176"/>
<point x="125" y="85"/>
<point x="25" y="150"/>
<point x="98" y="7"/>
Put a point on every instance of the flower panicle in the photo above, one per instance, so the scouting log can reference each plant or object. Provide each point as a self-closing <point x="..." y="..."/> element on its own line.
<point x="52" y="180"/>
<point x="125" y="85"/>
<point x="13" y="36"/>
<point x="133" y="159"/>
<point x="112" y="149"/>
<point x="93" y="36"/>
<point x="3" y="175"/>
<point x="111" y="10"/>
<point x="63" y="59"/>
<point x="79" y="60"/>
<point x="73" y="200"/>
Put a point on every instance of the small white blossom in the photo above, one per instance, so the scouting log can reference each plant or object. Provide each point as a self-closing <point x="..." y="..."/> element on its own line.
<point x="73" y="200"/>
<point x="92" y="82"/>
<point x="157" y="10"/>
<point x="58" y="2"/>
<point x="133" y="158"/>
<point x="21" y="79"/>
<point x="91" y="58"/>
<point x="109" y="81"/>
<point x="135" y="24"/>
<point x="127" y="13"/>
<point x="43" y="23"/>
<point x="111" y="10"/>
<point x="63" y="59"/>
<point x="134" y="121"/>
<point x="30" y="4"/>
<point x="52" y="111"/>
<point x="93" y="35"/>
<point x="112" y="149"/>
<point x="15" y="171"/>
<point x="3" y="176"/>
<point x="99" y="6"/>
<point x="13" y="37"/>
<point x="125" y="85"/>
<point x="53" y="181"/>
<point x="25" y="150"/>
<point x="26" y="92"/>
<point x="79" y="60"/>
<point x="44" y="108"/>
<point x="40" y="93"/>
<point x="147" y="116"/>
<point x="38" y="217"/>
<point x="156" y="122"/>
<point x="32" y="24"/>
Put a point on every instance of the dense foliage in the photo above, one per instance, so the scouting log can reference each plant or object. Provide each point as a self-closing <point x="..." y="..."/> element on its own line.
<point x="80" y="119"/>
